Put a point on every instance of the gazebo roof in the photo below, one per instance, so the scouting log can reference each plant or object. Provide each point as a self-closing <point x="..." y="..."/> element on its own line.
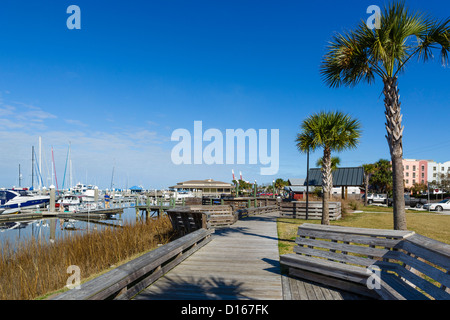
<point x="342" y="177"/>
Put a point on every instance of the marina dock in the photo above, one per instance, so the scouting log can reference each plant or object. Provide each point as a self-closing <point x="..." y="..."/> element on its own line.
<point x="93" y="214"/>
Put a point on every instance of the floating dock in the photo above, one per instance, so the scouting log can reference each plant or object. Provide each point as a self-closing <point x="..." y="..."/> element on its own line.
<point x="100" y="214"/>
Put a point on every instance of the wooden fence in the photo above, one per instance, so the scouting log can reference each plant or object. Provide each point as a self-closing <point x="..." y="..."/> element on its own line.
<point x="242" y="213"/>
<point x="297" y="209"/>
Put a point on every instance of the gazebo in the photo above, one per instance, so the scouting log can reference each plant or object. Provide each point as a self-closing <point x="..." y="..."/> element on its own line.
<point x="342" y="177"/>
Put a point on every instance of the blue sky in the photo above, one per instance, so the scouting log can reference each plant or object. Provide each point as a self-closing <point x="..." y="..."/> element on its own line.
<point x="138" y="70"/>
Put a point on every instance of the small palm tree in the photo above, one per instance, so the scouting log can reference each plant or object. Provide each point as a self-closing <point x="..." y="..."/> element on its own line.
<point x="362" y="54"/>
<point x="332" y="131"/>
<point x="335" y="162"/>
<point x="369" y="169"/>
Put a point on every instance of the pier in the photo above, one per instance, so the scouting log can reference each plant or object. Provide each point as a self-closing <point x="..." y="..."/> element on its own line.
<point x="238" y="261"/>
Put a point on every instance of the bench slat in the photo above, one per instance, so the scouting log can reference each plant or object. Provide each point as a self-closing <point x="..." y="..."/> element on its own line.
<point x="382" y="242"/>
<point x="342" y="247"/>
<point x="366" y="262"/>
<point x="403" y="288"/>
<point x="416" y="246"/>
<point x="423" y="284"/>
<point x="330" y="268"/>
<point x="398" y="234"/>
<point x="425" y="268"/>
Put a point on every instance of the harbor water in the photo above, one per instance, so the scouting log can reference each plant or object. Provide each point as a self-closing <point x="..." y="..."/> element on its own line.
<point x="53" y="229"/>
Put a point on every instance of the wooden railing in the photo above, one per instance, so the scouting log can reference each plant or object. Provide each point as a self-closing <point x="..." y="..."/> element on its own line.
<point x="243" y="213"/>
<point x="129" y="279"/>
<point x="297" y="209"/>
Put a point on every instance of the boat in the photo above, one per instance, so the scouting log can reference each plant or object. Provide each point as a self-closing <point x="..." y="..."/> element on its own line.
<point x="79" y="188"/>
<point x="69" y="202"/>
<point x="12" y="201"/>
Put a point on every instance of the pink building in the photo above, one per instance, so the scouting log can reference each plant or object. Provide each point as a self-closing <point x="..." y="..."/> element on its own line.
<point x="415" y="171"/>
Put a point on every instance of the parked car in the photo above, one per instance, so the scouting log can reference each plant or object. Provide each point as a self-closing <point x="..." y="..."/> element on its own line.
<point x="375" y="198"/>
<point x="410" y="201"/>
<point x="439" y="206"/>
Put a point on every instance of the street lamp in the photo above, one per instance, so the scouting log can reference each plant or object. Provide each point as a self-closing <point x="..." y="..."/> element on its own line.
<point x="307" y="184"/>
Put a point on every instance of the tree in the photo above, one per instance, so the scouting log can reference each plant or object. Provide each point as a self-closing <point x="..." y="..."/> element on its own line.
<point x="332" y="131"/>
<point x="362" y="54"/>
<point x="418" y="188"/>
<point x="369" y="169"/>
<point x="280" y="184"/>
<point x="335" y="162"/>
<point x="381" y="179"/>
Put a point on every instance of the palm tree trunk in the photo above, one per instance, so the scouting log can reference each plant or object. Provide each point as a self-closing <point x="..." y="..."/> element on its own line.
<point x="394" y="137"/>
<point x="327" y="184"/>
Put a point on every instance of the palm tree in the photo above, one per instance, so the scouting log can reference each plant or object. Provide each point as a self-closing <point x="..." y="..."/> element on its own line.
<point x="362" y="54"/>
<point x="280" y="184"/>
<point x="335" y="162"/>
<point x="369" y="169"/>
<point x="332" y="131"/>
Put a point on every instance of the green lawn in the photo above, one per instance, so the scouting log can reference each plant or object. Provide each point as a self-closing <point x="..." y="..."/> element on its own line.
<point x="432" y="225"/>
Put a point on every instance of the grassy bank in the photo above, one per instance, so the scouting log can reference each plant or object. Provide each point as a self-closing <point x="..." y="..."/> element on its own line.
<point x="36" y="268"/>
<point x="431" y="225"/>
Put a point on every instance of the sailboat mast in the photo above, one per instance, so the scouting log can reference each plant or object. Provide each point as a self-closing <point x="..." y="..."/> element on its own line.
<point x="40" y="160"/>
<point x="32" y="167"/>
<point x="54" y="169"/>
<point x="20" y="177"/>
<point x="112" y="178"/>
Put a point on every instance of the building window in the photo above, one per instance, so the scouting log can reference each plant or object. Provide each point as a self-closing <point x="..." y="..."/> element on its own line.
<point x="407" y="174"/>
<point x="414" y="168"/>
<point x="434" y="168"/>
<point x="423" y="175"/>
<point x="414" y="174"/>
<point x="414" y="181"/>
<point x="423" y="168"/>
<point x="407" y="181"/>
<point x="407" y="167"/>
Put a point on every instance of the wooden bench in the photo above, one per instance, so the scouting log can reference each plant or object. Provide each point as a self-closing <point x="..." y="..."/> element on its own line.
<point x="381" y="264"/>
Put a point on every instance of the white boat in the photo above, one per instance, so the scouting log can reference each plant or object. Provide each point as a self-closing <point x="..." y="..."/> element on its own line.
<point x="69" y="202"/>
<point x="12" y="201"/>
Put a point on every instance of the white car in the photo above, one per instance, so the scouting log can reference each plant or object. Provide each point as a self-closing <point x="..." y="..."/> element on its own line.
<point x="439" y="206"/>
<point x="376" y="198"/>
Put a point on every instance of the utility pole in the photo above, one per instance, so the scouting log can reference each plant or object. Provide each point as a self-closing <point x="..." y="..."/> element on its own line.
<point x="307" y="184"/>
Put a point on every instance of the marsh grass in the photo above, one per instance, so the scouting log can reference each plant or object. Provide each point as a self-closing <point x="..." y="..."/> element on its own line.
<point x="34" y="268"/>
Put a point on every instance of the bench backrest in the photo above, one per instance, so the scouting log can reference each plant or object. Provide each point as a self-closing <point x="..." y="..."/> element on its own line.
<point x="402" y="253"/>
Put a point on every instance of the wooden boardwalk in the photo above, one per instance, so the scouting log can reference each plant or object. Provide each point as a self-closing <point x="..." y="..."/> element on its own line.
<point x="241" y="262"/>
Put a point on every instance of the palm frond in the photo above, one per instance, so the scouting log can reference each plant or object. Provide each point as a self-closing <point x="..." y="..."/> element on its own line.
<point x="359" y="55"/>
<point x="334" y="130"/>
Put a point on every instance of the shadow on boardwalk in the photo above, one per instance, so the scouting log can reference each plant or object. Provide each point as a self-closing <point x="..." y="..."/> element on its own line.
<point x="177" y="288"/>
